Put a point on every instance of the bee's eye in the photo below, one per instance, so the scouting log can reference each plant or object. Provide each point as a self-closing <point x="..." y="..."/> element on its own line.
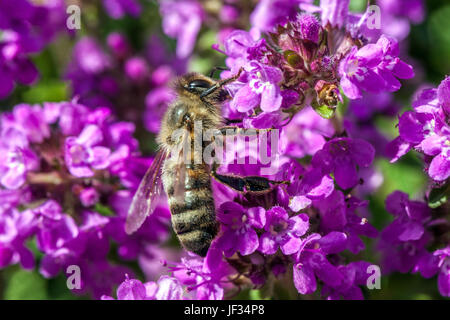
<point x="198" y="84"/>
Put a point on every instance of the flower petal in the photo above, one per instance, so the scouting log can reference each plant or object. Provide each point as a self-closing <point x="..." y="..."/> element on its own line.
<point x="248" y="242"/>
<point x="271" y="98"/>
<point x="350" y="89"/>
<point x="267" y="244"/>
<point x="245" y="99"/>
<point x="345" y="173"/>
<point x="440" y="168"/>
<point x="304" y="279"/>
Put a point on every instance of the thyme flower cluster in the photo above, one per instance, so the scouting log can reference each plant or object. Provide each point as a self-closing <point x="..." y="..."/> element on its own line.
<point x="317" y="73"/>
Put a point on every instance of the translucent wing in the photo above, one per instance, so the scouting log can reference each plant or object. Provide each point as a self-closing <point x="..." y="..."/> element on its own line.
<point x="179" y="173"/>
<point x="147" y="195"/>
<point x="179" y="185"/>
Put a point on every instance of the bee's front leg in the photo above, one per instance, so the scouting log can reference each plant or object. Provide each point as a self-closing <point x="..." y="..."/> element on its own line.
<point x="211" y="74"/>
<point x="235" y="130"/>
<point x="248" y="184"/>
<point x="221" y="83"/>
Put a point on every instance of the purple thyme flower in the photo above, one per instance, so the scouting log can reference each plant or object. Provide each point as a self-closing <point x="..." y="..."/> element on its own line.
<point x="443" y="93"/>
<point x="16" y="159"/>
<point x="270" y="13"/>
<point x="307" y="133"/>
<point x="136" y="69"/>
<point x="15" y="66"/>
<point x="82" y="153"/>
<point x="334" y="12"/>
<point x="118" y="44"/>
<point x="49" y="142"/>
<point x="89" y="197"/>
<point x="166" y="288"/>
<point x="30" y="120"/>
<point x="154" y="230"/>
<point x="444" y="274"/>
<point x="370" y="105"/>
<point x="354" y="275"/>
<point x="403" y="242"/>
<point x="398" y="15"/>
<point x="411" y="216"/>
<point x="311" y="261"/>
<point x="95" y="77"/>
<point x="261" y="89"/>
<point x="426" y="130"/>
<point x="15" y="228"/>
<point x="89" y="57"/>
<point x="182" y="20"/>
<point x="242" y="47"/>
<point x="156" y="103"/>
<point x="69" y="116"/>
<point x="283" y="231"/>
<point x="204" y="276"/>
<point x="309" y="27"/>
<point x="57" y="237"/>
<point x="307" y="186"/>
<point x="342" y="156"/>
<point x="25" y="33"/>
<point x="238" y="224"/>
<point x="229" y="14"/>
<point x="412" y="9"/>
<point x="100" y="276"/>
<point x="338" y="213"/>
<point x="373" y="68"/>
<point x="118" y="8"/>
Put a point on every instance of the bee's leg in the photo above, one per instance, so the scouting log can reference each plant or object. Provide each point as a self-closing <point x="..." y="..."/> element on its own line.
<point x="220" y="84"/>
<point x="230" y="121"/>
<point x="249" y="184"/>
<point x="234" y="130"/>
<point x="211" y="74"/>
<point x="231" y="181"/>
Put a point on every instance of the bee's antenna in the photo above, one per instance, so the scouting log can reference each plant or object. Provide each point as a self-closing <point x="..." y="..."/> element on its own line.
<point x="211" y="74"/>
<point x="221" y="83"/>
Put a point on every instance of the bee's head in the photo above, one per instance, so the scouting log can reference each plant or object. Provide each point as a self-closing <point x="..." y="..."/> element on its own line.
<point x="194" y="85"/>
<point x="198" y="86"/>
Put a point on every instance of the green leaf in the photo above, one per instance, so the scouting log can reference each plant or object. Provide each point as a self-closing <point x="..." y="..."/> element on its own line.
<point x="26" y="285"/>
<point x="292" y="58"/>
<point x="32" y="245"/>
<point x="103" y="210"/>
<point x="206" y="40"/>
<point x="255" y="295"/>
<point x="439" y="196"/>
<point x="325" y="111"/>
<point x="403" y="175"/>
<point x="439" y="38"/>
<point x="358" y="5"/>
<point x="200" y="64"/>
<point x="57" y="289"/>
<point x="46" y="91"/>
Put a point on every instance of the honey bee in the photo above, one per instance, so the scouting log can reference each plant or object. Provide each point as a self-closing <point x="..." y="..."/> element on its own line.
<point x="188" y="185"/>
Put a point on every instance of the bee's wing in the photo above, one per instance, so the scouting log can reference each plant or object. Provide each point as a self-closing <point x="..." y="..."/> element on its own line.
<point x="179" y="182"/>
<point x="147" y="195"/>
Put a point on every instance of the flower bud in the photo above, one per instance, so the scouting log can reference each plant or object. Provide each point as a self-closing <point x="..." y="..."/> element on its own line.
<point x="309" y="28"/>
<point x="327" y="93"/>
<point x="293" y="59"/>
<point x="118" y="44"/>
<point x="136" y="69"/>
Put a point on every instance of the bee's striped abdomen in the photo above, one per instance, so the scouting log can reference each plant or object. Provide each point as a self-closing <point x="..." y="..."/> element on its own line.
<point x="193" y="211"/>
